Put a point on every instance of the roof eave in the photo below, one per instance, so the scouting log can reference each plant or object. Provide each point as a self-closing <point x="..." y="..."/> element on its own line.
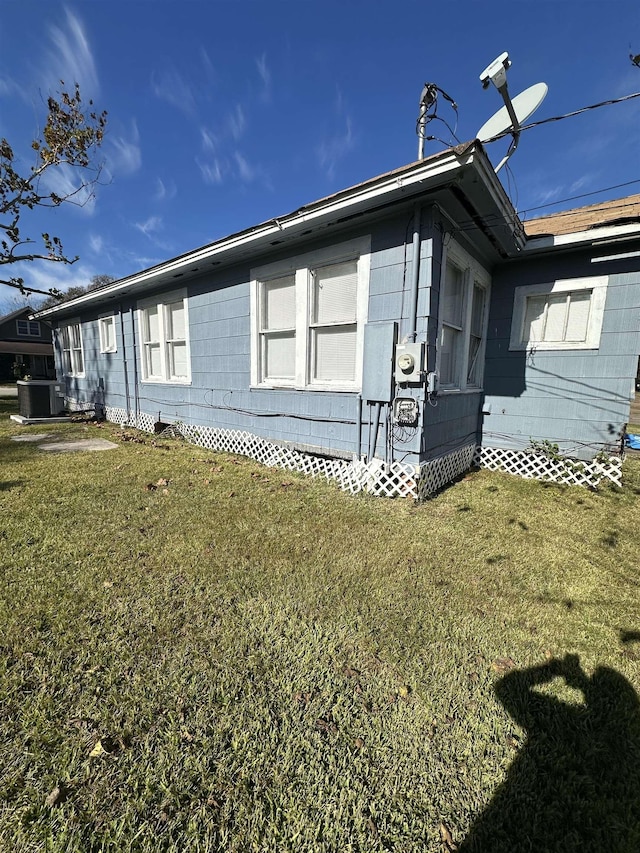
<point x="404" y="183"/>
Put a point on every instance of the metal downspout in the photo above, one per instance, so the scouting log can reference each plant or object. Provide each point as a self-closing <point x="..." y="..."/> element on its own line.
<point x="135" y="367"/>
<point x="415" y="275"/>
<point x="125" y="366"/>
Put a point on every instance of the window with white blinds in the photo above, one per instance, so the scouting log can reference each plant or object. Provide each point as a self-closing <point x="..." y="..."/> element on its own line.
<point x="308" y="316"/>
<point x="334" y="324"/>
<point x="278" y="329"/>
<point x="561" y="317"/>
<point x="565" y="314"/>
<point x="164" y="340"/>
<point x="107" y="333"/>
<point x="70" y="337"/>
<point x="463" y="320"/>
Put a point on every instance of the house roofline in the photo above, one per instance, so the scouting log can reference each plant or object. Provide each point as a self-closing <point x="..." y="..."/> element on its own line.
<point x="16" y="313"/>
<point x="604" y="234"/>
<point x="405" y="182"/>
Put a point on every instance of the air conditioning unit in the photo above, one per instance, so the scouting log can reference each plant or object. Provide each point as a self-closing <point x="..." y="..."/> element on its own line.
<point x="56" y="396"/>
<point x="40" y="398"/>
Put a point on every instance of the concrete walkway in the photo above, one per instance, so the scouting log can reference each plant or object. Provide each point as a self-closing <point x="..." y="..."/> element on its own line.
<point x="8" y="390"/>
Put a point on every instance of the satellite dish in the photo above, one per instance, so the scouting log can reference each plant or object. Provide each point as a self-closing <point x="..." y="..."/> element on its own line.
<point x="524" y="105"/>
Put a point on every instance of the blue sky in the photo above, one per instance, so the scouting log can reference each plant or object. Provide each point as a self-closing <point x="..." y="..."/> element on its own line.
<point x="223" y="114"/>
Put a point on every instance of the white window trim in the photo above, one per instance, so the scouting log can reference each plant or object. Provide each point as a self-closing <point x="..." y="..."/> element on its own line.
<point x="598" y="286"/>
<point x="162" y="301"/>
<point x="67" y="325"/>
<point x="473" y="272"/>
<point x="358" y="249"/>
<point x="28" y="333"/>
<point x="104" y="348"/>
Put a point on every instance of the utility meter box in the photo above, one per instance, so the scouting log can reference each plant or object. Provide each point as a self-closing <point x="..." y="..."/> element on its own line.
<point x="408" y="362"/>
<point x="405" y="411"/>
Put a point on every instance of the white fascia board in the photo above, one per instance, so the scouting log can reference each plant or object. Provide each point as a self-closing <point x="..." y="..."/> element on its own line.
<point x="501" y="199"/>
<point x="362" y="196"/>
<point x="609" y="233"/>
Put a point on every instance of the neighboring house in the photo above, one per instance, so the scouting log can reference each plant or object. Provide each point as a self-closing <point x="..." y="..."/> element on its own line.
<point x="386" y="335"/>
<point x="26" y="348"/>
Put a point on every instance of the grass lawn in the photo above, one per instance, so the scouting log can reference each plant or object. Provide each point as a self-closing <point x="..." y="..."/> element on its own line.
<point x="198" y="653"/>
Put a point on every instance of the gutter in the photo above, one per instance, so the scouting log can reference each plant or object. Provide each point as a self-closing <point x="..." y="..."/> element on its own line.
<point x="407" y="181"/>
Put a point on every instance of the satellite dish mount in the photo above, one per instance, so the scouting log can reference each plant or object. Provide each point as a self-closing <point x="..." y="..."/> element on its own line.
<point x="508" y="119"/>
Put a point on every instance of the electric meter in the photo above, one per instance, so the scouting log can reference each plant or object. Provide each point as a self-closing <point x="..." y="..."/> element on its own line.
<point x="405" y="411"/>
<point x="408" y="363"/>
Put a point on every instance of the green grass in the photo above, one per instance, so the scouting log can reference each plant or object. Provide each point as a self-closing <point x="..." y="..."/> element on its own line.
<point x="271" y="665"/>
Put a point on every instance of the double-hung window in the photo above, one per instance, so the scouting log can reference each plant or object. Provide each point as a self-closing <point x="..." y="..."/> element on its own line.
<point x="334" y="322"/>
<point x="277" y="330"/>
<point x="28" y="328"/>
<point x="308" y="317"/>
<point x="72" y="352"/>
<point x="107" y="333"/>
<point x="565" y="314"/>
<point x="163" y="324"/>
<point x="464" y="291"/>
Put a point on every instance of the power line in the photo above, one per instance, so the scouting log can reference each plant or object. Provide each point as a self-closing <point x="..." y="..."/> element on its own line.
<point x="565" y="115"/>
<point x="497" y="219"/>
<point x="585" y="195"/>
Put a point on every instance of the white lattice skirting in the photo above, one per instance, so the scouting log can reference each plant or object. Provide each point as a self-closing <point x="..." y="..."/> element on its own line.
<point x="394" y="480"/>
<point x="538" y="466"/>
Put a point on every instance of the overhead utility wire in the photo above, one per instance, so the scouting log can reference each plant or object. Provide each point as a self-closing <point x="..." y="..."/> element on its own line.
<point x="565" y="115"/>
<point x="497" y="219"/>
<point x="585" y="195"/>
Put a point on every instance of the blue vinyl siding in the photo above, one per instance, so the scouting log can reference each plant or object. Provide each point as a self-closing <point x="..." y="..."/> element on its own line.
<point x="220" y="347"/>
<point x="578" y="399"/>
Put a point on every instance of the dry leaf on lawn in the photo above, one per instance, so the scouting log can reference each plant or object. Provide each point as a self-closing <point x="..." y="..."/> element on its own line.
<point x="447" y="839"/>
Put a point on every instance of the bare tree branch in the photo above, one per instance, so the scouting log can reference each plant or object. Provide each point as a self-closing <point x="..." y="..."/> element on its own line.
<point x="70" y="138"/>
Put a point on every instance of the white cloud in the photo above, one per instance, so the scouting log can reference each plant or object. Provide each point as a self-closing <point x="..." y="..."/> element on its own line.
<point x="164" y="192"/>
<point x="247" y="173"/>
<point x="581" y="183"/>
<point x="150" y="226"/>
<point x="10" y="89"/>
<point x="45" y="275"/>
<point x="170" y="86"/>
<point x="209" y="139"/>
<point x="212" y="173"/>
<point x="335" y="147"/>
<point x="265" y="75"/>
<point x="96" y="244"/>
<point x="70" y="57"/>
<point x="141" y="262"/>
<point x="209" y="71"/>
<point x="549" y="195"/>
<point x="126" y="156"/>
<point x="67" y="183"/>
<point x="337" y="143"/>
<point x="237" y="122"/>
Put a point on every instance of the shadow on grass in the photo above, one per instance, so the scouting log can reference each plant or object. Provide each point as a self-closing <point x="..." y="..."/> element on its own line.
<point x="8" y="406"/>
<point x="7" y="485"/>
<point x="575" y="784"/>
